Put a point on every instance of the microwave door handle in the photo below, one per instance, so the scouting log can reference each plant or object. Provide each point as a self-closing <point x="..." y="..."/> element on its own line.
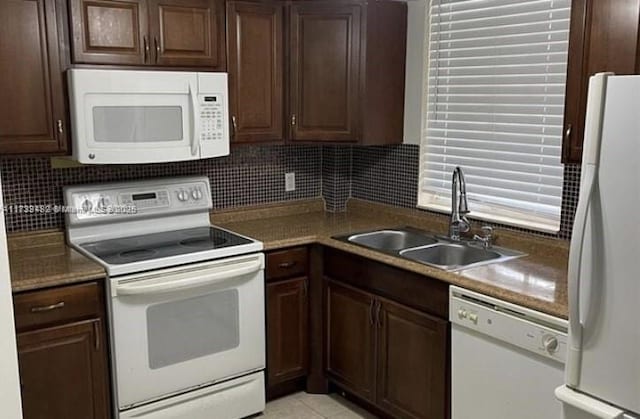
<point x="169" y="284"/>
<point x="195" y="121"/>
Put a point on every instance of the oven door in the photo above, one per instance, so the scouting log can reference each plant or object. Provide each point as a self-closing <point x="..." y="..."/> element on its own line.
<point x="177" y="329"/>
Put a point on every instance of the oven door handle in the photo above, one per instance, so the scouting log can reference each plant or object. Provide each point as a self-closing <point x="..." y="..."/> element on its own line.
<point x="171" y="284"/>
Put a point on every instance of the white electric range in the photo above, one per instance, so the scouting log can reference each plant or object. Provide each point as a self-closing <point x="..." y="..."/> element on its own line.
<point x="186" y="299"/>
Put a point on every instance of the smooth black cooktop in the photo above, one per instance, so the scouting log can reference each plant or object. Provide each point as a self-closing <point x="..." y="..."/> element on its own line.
<point x="159" y="245"/>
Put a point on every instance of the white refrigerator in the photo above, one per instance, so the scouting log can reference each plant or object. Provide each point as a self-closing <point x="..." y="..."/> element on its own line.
<point x="603" y="361"/>
<point x="10" y="404"/>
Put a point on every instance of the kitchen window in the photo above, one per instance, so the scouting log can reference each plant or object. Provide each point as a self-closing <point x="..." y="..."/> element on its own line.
<point x="495" y="101"/>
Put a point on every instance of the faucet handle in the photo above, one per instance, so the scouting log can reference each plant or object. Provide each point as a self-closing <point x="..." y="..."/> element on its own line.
<point x="487" y="236"/>
<point x="487" y="230"/>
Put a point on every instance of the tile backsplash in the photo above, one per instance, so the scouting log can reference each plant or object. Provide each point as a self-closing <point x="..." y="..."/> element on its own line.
<point x="250" y="175"/>
<point x="389" y="174"/>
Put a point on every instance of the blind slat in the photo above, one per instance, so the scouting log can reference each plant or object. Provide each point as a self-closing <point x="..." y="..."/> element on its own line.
<point x="471" y="162"/>
<point x="493" y="6"/>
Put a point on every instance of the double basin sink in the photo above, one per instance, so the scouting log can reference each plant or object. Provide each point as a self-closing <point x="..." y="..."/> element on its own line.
<point x="432" y="250"/>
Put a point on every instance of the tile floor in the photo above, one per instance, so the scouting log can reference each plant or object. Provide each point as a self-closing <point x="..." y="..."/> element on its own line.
<point x="314" y="406"/>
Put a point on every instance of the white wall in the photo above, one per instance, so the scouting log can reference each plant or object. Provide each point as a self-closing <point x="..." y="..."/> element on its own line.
<point x="10" y="404"/>
<point x="414" y="78"/>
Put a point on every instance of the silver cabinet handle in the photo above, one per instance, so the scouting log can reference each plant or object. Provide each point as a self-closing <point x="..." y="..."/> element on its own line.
<point x="567" y="132"/>
<point x="145" y="45"/>
<point x="157" y="46"/>
<point x="60" y="126"/>
<point x="40" y="309"/>
<point x="378" y="319"/>
<point x="371" y="320"/>
<point x="287" y="265"/>
<point x="96" y="332"/>
<point x="234" y="122"/>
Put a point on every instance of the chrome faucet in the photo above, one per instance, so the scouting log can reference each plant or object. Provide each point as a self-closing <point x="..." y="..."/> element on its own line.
<point x="459" y="207"/>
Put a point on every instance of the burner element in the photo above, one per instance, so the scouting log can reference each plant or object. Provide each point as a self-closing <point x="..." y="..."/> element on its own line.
<point x="137" y="253"/>
<point x="205" y="242"/>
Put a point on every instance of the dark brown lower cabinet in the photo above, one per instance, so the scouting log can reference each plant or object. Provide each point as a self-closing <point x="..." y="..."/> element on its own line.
<point x="391" y="355"/>
<point x="287" y="342"/>
<point x="350" y="339"/>
<point x="63" y="370"/>
<point x="63" y="352"/>
<point x="412" y="362"/>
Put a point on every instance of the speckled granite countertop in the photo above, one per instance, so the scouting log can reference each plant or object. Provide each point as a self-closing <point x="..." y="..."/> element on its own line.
<point x="537" y="281"/>
<point x="44" y="260"/>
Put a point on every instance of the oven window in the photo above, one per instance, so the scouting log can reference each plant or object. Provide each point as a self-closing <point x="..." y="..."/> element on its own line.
<point x="187" y="329"/>
<point x="137" y="124"/>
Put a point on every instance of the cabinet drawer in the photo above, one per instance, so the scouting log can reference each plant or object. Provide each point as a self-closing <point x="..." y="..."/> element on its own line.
<point x="287" y="263"/>
<point x="46" y="307"/>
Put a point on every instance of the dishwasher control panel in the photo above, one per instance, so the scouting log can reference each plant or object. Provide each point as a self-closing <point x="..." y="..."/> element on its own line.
<point x="519" y="326"/>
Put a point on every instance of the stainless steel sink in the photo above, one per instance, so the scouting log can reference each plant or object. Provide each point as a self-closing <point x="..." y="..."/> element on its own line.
<point x="439" y="252"/>
<point x="392" y="240"/>
<point x="450" y="256"/>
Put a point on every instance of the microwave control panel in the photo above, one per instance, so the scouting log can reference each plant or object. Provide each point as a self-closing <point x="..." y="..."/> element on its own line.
<point x="211" y="117"/>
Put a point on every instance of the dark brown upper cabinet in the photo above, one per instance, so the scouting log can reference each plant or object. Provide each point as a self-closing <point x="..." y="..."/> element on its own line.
<point x="174" y="33"/>
<point x="110" y="32"/>
<point x="346" y="71"/>
<point x="603" y="37"/>
<point x="32" y="109"/>
<point x="188" y="33"/>
<point x="325" y="71"/>
<point x="256" y="71"/>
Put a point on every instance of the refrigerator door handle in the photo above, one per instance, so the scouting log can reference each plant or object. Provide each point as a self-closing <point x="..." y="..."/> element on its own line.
<point x="590" y="159"/>
<point x="587" y="404"/>
<point x="575" y="257"/>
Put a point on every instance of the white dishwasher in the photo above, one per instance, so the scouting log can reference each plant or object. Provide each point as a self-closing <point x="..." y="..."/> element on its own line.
<point x="506" y="360"/>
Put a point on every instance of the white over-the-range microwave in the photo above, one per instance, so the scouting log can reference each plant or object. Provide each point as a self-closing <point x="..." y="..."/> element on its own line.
<point x="131" y="116"/>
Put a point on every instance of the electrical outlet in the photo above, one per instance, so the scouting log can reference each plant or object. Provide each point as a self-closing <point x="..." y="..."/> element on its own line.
<point x="290" y="182"/>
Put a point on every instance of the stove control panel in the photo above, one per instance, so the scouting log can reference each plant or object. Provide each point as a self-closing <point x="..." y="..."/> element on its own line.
<point x="135" y="198"/>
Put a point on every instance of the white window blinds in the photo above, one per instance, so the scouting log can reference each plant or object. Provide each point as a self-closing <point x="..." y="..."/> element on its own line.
<point x="495" y="103"/>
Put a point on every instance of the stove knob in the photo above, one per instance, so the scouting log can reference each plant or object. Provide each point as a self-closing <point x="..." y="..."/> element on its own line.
<point x="182" y="195"/>
<point x="550" y="343"/>
<point x="87" y="205"/>
<point x="196" y="194"/>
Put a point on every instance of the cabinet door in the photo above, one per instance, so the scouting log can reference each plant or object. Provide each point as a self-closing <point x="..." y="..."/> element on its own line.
<point x="603" y="37"/>
<point x="350" y="339"/>
<point x="187" y="33"/>
<point x="63" y="372"/>
<point x="255" y="70"/>
<point x="32" y="109"/>
<point x="325" y="71"/>
<point x="412" y="362"/>
<point x="109" y="31"/>
<point x="287" y="345"/>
